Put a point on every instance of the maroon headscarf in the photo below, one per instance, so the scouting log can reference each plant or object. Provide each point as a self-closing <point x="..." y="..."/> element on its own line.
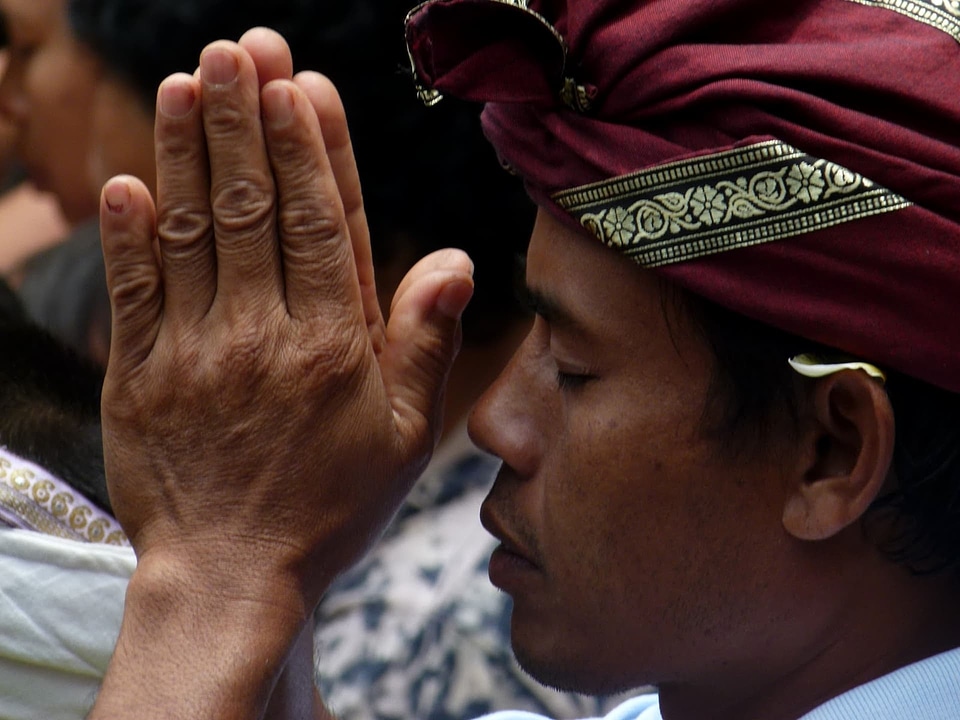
<point x="797" y="162"/>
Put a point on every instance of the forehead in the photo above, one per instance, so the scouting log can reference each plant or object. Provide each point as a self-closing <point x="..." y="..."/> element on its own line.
<point x="606" y="312"/>
<point x="581" y="282"/>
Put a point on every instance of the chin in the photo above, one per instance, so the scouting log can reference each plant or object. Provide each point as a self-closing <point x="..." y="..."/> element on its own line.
<point x="568" y="671"/>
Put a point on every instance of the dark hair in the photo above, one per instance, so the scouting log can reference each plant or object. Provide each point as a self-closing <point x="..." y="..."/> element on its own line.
<point x="143" y="41"/>
<point x="916" y="522"/>
<point x="430" y="180"/>
<point x="64" y="288"/>
<point x="50" y="403"/>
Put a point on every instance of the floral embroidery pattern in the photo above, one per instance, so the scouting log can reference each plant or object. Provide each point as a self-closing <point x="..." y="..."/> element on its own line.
<point x="942" y="14"/>
<point x="31" y="498"/>
<point x="708" y="205"/>
<point x="736" y="198"/>
<point x="805" y="182"/>
<point x="619" y="226"/>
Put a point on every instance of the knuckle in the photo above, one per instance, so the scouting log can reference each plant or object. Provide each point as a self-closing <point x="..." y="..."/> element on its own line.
<point x="243" y="203"/>
<point x="345" y="349"/>
<point x="134" y="289"/>
<point x="177" y="149"/>
<point x="328" y="356"/>
<point x="287" y="145"/>
<point x="248" y="347"/>
<point x="244" y="359"/>
<point x="227" y="118"/>
<point x="182" y="224"/>
<point x="302" y="218"/>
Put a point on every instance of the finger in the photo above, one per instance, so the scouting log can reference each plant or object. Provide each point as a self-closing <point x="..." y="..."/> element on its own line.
<point x="127" y="221"/>
<point x="336" y="137"/>
<point x="318" y="268"/>
<point x="423" y="337"/>
<point x="270" y="54"/>
<point x="184" y="220"/>
<point x="241" y="185"/>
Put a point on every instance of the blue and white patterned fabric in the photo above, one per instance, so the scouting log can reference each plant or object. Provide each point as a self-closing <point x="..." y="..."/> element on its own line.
<point x="416" y="630"/>
<point x="927" y="690"/>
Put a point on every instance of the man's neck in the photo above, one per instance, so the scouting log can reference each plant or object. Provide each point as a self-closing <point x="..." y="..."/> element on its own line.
<point x="869" y="641"/>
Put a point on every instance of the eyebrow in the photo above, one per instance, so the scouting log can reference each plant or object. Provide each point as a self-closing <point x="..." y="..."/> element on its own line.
<point x="547" y="307"/>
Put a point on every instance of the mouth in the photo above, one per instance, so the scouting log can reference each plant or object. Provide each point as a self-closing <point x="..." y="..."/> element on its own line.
<point x="511" y="564"/>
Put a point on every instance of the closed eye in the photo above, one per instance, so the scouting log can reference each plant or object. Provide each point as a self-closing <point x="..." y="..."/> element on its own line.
<point x="572" y="381"/>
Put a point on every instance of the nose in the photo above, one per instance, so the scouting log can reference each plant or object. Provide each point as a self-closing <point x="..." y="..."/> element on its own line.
<point x="508" y="419"/>
<point x="13" y="103"/>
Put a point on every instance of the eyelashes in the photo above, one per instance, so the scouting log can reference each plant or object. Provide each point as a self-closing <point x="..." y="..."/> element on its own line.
<point x="572" y="381"/>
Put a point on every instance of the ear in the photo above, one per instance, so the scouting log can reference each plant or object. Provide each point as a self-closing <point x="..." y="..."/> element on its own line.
<point x="848" y="458"/>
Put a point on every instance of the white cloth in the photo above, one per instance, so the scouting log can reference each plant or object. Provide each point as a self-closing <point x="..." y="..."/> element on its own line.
<point x="925" y="690"/>
<point x="61" y="602"/>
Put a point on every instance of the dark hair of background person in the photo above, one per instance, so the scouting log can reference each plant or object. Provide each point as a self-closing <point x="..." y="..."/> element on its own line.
<point x="430" y="179"/>
<point x="916" y="521"/>
<point x="64" y="287"/>
<point x="50" y="403"/>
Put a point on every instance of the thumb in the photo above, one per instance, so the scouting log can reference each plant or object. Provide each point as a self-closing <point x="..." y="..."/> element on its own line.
<point x="422" y="340"/>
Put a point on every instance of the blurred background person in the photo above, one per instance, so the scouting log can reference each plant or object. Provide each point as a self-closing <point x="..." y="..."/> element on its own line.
<point x="30" y="220"/>
<point x="47" y="94"/>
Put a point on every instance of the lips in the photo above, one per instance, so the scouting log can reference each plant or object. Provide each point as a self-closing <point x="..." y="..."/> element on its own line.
<point x="506" y="544"/>
<point x="509" y="542"/>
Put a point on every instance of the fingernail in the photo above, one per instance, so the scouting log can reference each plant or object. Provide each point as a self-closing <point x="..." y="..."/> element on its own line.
<point x="176" y="99"/>
<point x="116" y="194"/>
<point x="218" y="66"/>
<point x="278" y="104"/>
<point x="453" y="299"/>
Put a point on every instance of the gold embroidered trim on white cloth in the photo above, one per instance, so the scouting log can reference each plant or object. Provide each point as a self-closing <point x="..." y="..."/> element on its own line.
<point x="713" y="203"/>
<point x="33" y="499"/>
<point x="942" y="14"/>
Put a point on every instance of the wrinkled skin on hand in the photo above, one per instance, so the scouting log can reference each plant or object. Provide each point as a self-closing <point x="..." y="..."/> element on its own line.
<point x="261" y="421"/>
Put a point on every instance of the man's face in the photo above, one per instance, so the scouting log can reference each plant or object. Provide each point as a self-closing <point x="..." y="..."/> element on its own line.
<point x="634" y="549"/>
<point x="47" y="93"/>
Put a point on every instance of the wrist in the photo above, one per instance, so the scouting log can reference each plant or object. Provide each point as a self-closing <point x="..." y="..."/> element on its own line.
<point x="199" y="643"/>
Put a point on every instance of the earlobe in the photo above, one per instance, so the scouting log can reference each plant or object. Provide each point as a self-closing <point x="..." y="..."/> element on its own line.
<point x="848" y="458"/>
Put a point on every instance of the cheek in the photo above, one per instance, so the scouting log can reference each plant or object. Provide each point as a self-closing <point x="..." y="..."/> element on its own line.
<point x="616" y="445"/>
<point x="601" y="476"/>
<point x="60" y="86"/>
<point x="103" y="153"/>
<point x="630" y="483"/>
<point x="60" y="89"/>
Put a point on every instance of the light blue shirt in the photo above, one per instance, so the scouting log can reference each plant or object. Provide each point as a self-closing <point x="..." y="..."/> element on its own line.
<point x="642" y="707"/>
<point x="929" y="689"/>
